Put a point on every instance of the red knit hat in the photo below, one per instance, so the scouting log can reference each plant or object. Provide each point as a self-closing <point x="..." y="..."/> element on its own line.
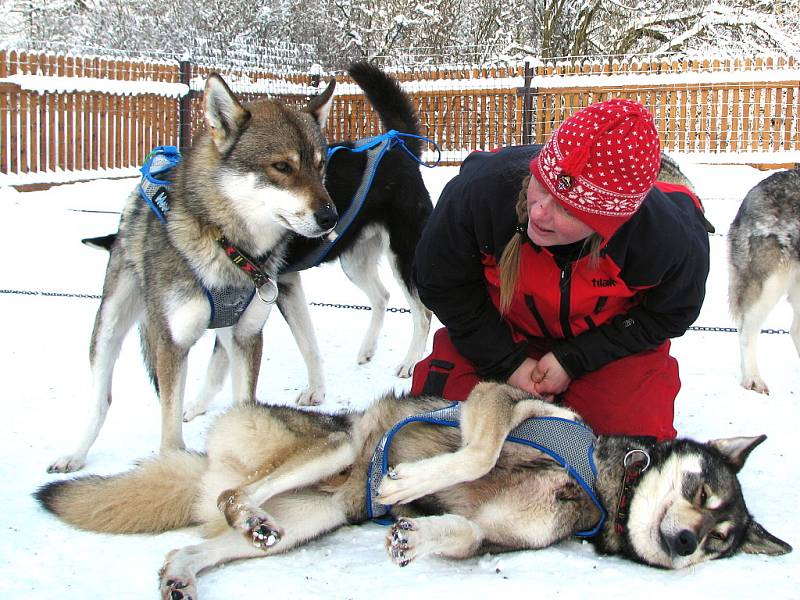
<point x="601" y="163"/>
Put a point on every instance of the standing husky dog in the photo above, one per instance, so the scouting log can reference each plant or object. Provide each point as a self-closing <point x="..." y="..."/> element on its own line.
<point x="276" y="477"/>
<point x="251" y="181"/>
<point x="764" y="264"/>
<point x="390" y="222"/>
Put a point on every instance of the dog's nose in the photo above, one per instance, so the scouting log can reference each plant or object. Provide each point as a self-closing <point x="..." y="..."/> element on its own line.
<point x="683" y="543"/>
<point x="326" y="217"/>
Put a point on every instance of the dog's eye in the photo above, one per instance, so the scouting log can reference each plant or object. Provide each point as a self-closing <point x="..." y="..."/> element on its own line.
<point x="702" y="495"/>
<point x="282" y="167"/>
<point x="718" y="535"/>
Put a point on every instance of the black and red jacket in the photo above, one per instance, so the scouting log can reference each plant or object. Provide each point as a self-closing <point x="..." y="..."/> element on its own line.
<point x="648" y="287"/>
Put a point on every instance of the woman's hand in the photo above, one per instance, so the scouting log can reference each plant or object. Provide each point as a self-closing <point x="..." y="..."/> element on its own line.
<point x="523" y="379"/>
<point x="549" y="377"/>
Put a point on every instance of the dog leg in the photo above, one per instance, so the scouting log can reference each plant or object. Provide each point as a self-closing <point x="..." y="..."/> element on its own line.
<point x="750" y="326"/>
<point x="245" y="356"/>
<point x="490" y="412"/>
<point x="326" y="458"/>
<point x="452" y="536"/>
<point x="294" y="308"/>
<point x="171" y="377"/>
<point x="309" y="514"/>
<point x="216" y="371"/>
<point x="421" y="318"/>
<point x="361" y="266"/>
<point x="119" y="309"/>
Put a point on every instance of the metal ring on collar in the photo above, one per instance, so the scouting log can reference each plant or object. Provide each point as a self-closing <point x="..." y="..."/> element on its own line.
<point x="273" y="297"/>
<point x="637" y="451"/>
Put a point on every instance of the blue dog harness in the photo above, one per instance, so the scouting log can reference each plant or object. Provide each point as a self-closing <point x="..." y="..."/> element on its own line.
<point x="569" y="443"/>
<point x="227" y="304"/>
<point x="375" y="149"/>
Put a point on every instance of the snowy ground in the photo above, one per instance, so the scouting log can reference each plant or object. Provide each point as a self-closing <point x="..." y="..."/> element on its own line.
<point x="45" y="375"/>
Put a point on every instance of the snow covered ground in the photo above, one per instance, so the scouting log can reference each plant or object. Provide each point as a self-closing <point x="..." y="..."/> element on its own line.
<point x="44" y="372"/>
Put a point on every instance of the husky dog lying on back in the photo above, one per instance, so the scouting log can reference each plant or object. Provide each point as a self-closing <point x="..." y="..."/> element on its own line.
<point x="764" y="264"/>
<point x="276" y="477"/>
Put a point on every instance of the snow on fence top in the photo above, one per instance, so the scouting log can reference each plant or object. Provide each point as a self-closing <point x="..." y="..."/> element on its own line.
<point x="70" y="114"/>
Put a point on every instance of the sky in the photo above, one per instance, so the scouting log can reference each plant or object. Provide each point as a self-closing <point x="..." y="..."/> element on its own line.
<point x="45" y="381"/>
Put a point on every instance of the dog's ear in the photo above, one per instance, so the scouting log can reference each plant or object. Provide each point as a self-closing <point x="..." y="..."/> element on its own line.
<point x="320" y="105"/>
<point x="101" y="243"/>
<point x="225" y="116"/>
<point x="758" y="540"/>
<point x="737" y="449"/>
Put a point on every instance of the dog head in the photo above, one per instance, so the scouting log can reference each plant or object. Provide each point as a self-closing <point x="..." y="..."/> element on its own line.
<point x="688" y="506"/>
<point x="270" y="159"/>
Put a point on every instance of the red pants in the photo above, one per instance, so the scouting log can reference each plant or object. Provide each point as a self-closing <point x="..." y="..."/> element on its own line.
<point x="634" y="395"/>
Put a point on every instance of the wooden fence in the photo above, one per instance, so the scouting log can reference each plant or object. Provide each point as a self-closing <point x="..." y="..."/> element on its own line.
<point x="78" y="117"/>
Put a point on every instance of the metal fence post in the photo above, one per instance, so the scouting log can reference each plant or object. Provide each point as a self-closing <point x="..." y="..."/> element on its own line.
<point x="528" y="136"/>
<point x="185" y="109"/>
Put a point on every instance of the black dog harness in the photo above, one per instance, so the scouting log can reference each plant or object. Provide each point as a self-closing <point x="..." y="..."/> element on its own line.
<point x="569" y="443"/>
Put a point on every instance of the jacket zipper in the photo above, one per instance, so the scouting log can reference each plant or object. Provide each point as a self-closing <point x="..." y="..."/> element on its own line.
<point x="564" y="305"/>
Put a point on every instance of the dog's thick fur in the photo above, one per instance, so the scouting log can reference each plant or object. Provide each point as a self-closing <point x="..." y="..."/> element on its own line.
<point x="389" y="223"/>
<point x="275" y="477"/>
<point x="256" y="178"/>
<point x="764" y="264"/>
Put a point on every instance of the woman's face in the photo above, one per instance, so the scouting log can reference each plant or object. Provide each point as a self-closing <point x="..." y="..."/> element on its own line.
<point x="548" y="223"/>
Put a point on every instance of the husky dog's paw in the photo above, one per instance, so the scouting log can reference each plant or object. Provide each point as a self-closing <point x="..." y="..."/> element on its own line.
<point x="401" y="542"/>
<point x="175" y="588"/>
<point x="404" y="370"/>
<point x="261" y="533"/>
<point x="367" y="350"/>
<point x="67" y="464"/>
<point x="256" y="525"/>
<point x="192" y="411"/>
<point x="756" y="384"/>
<point x="409" y="481"/>
<point x="310" y="397"/>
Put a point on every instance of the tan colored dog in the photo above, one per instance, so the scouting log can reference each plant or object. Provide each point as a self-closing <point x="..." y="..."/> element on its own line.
<point x="276" y="477"/>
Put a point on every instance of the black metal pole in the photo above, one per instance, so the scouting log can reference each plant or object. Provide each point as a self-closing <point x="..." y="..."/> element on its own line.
<point x="185" y="109"/>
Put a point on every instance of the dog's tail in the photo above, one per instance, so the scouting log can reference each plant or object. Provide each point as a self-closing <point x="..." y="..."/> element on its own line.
<point x="390" y="101"/>
<point x="155" y="496"/>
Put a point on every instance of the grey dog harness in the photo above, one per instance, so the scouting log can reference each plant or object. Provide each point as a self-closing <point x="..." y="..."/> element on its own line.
<point x="227" y="304"/>
<point x="569" y="443"/>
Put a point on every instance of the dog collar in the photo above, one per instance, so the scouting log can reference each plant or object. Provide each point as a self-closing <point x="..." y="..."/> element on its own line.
<point x="569" y="443"/>
<point x="635" y="462"/>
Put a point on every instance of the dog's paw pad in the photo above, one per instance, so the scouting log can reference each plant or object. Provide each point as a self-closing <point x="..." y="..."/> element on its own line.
<point x="263" y="534"/>
<point x="398" y="542"/>
<point x="177" y="589"/>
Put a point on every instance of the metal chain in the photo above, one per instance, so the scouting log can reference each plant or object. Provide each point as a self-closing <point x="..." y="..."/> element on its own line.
<point x="390" y="309"/>
<point x="358" y="307"/>
<point x="96" y="297"/>
<point x="54" y="294"/>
